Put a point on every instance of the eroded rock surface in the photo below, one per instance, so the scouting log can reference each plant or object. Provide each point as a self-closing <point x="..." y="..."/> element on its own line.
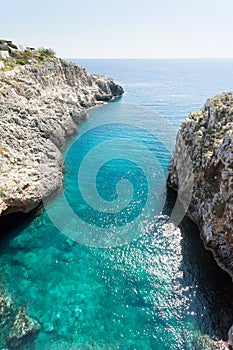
<point x="220" y="345"/>
<point x="205" y="140"/>
<point x="6" y="306"/>
<point x="207" y="137"/>
<point x="40" y="106"/>
<point x="22" y="327"/>
<point x="14" y="322"/>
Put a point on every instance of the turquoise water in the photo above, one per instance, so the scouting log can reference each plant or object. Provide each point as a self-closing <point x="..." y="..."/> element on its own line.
<point x="155" y="287"/>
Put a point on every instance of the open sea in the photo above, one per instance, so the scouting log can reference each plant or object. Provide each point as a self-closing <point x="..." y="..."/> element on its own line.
<point x="101" y="266"/>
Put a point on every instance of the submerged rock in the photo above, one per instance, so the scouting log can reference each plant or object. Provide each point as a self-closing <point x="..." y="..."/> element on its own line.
<point x="220" y="345"/>
<point x="202" y="342"/>
<point x="6" y="305"/>
<point x="22" y="327"/>
<point x="40" y="107"/>
<point x="15" y="323"/>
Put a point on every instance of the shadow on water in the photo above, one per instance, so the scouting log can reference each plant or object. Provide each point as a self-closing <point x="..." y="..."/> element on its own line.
<point x="12" y="224"/>
<point x="213" y="286"/>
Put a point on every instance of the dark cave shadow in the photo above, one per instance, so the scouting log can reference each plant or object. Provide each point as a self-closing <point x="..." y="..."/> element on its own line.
<point x="12" y="224"/>
<point x="213" y="286"/>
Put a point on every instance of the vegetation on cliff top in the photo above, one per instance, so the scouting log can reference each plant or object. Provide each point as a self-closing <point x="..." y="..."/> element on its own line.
<point x="14" y="57"/>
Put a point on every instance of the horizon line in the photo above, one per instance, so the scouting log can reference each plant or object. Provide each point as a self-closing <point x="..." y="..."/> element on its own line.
<point x="148" y="58"/>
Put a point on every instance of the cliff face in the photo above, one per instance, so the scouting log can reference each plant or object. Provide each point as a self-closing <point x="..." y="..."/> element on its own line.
<point x="41" y="106"/>
<point x="207" y="137"/>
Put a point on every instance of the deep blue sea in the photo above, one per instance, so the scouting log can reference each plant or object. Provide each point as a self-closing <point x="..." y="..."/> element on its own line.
<point x="101" y="266"/>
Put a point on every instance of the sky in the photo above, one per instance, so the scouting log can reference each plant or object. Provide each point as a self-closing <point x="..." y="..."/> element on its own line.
<point x="122" y="28"/>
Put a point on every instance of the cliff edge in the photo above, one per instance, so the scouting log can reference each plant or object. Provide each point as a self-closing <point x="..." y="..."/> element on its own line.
<point x="41" y="103"/>
<point x="207" y="136"/>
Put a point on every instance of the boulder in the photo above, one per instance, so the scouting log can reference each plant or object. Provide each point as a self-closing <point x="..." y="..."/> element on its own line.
<point x="21" y="328"/>
<point x="220" y="345"/>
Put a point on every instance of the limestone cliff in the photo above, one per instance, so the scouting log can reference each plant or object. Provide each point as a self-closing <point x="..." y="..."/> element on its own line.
<point x="41" y="105"/>
<point x="208" y="137"/>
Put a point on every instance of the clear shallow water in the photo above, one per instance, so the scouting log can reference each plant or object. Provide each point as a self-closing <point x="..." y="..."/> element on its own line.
<point x="160" y="291"/>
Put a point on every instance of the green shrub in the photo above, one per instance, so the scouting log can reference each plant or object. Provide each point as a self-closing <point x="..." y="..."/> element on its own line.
<point x="21" y="61"/>
<point x="27" y="54"/>
<point x="24" y="57"/>
<point x="8" y="43"/>
<point x="9" y="63"/>
<point x="197" y="127"/>
<point x="13" y="46"/>
<point x="46" y="52"/>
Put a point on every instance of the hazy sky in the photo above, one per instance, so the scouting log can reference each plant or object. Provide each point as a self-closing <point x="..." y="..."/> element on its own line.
<point x="122" y="28"/>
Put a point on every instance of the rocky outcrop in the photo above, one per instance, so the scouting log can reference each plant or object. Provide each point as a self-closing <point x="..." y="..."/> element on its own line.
<point x="206" y="137"/>
<point x="22" y="328"/>
<point x="6" y="305"/>
<point x="41" y="105"/>
<point x="15" y="322"/>
<point x="220" y="345"/>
